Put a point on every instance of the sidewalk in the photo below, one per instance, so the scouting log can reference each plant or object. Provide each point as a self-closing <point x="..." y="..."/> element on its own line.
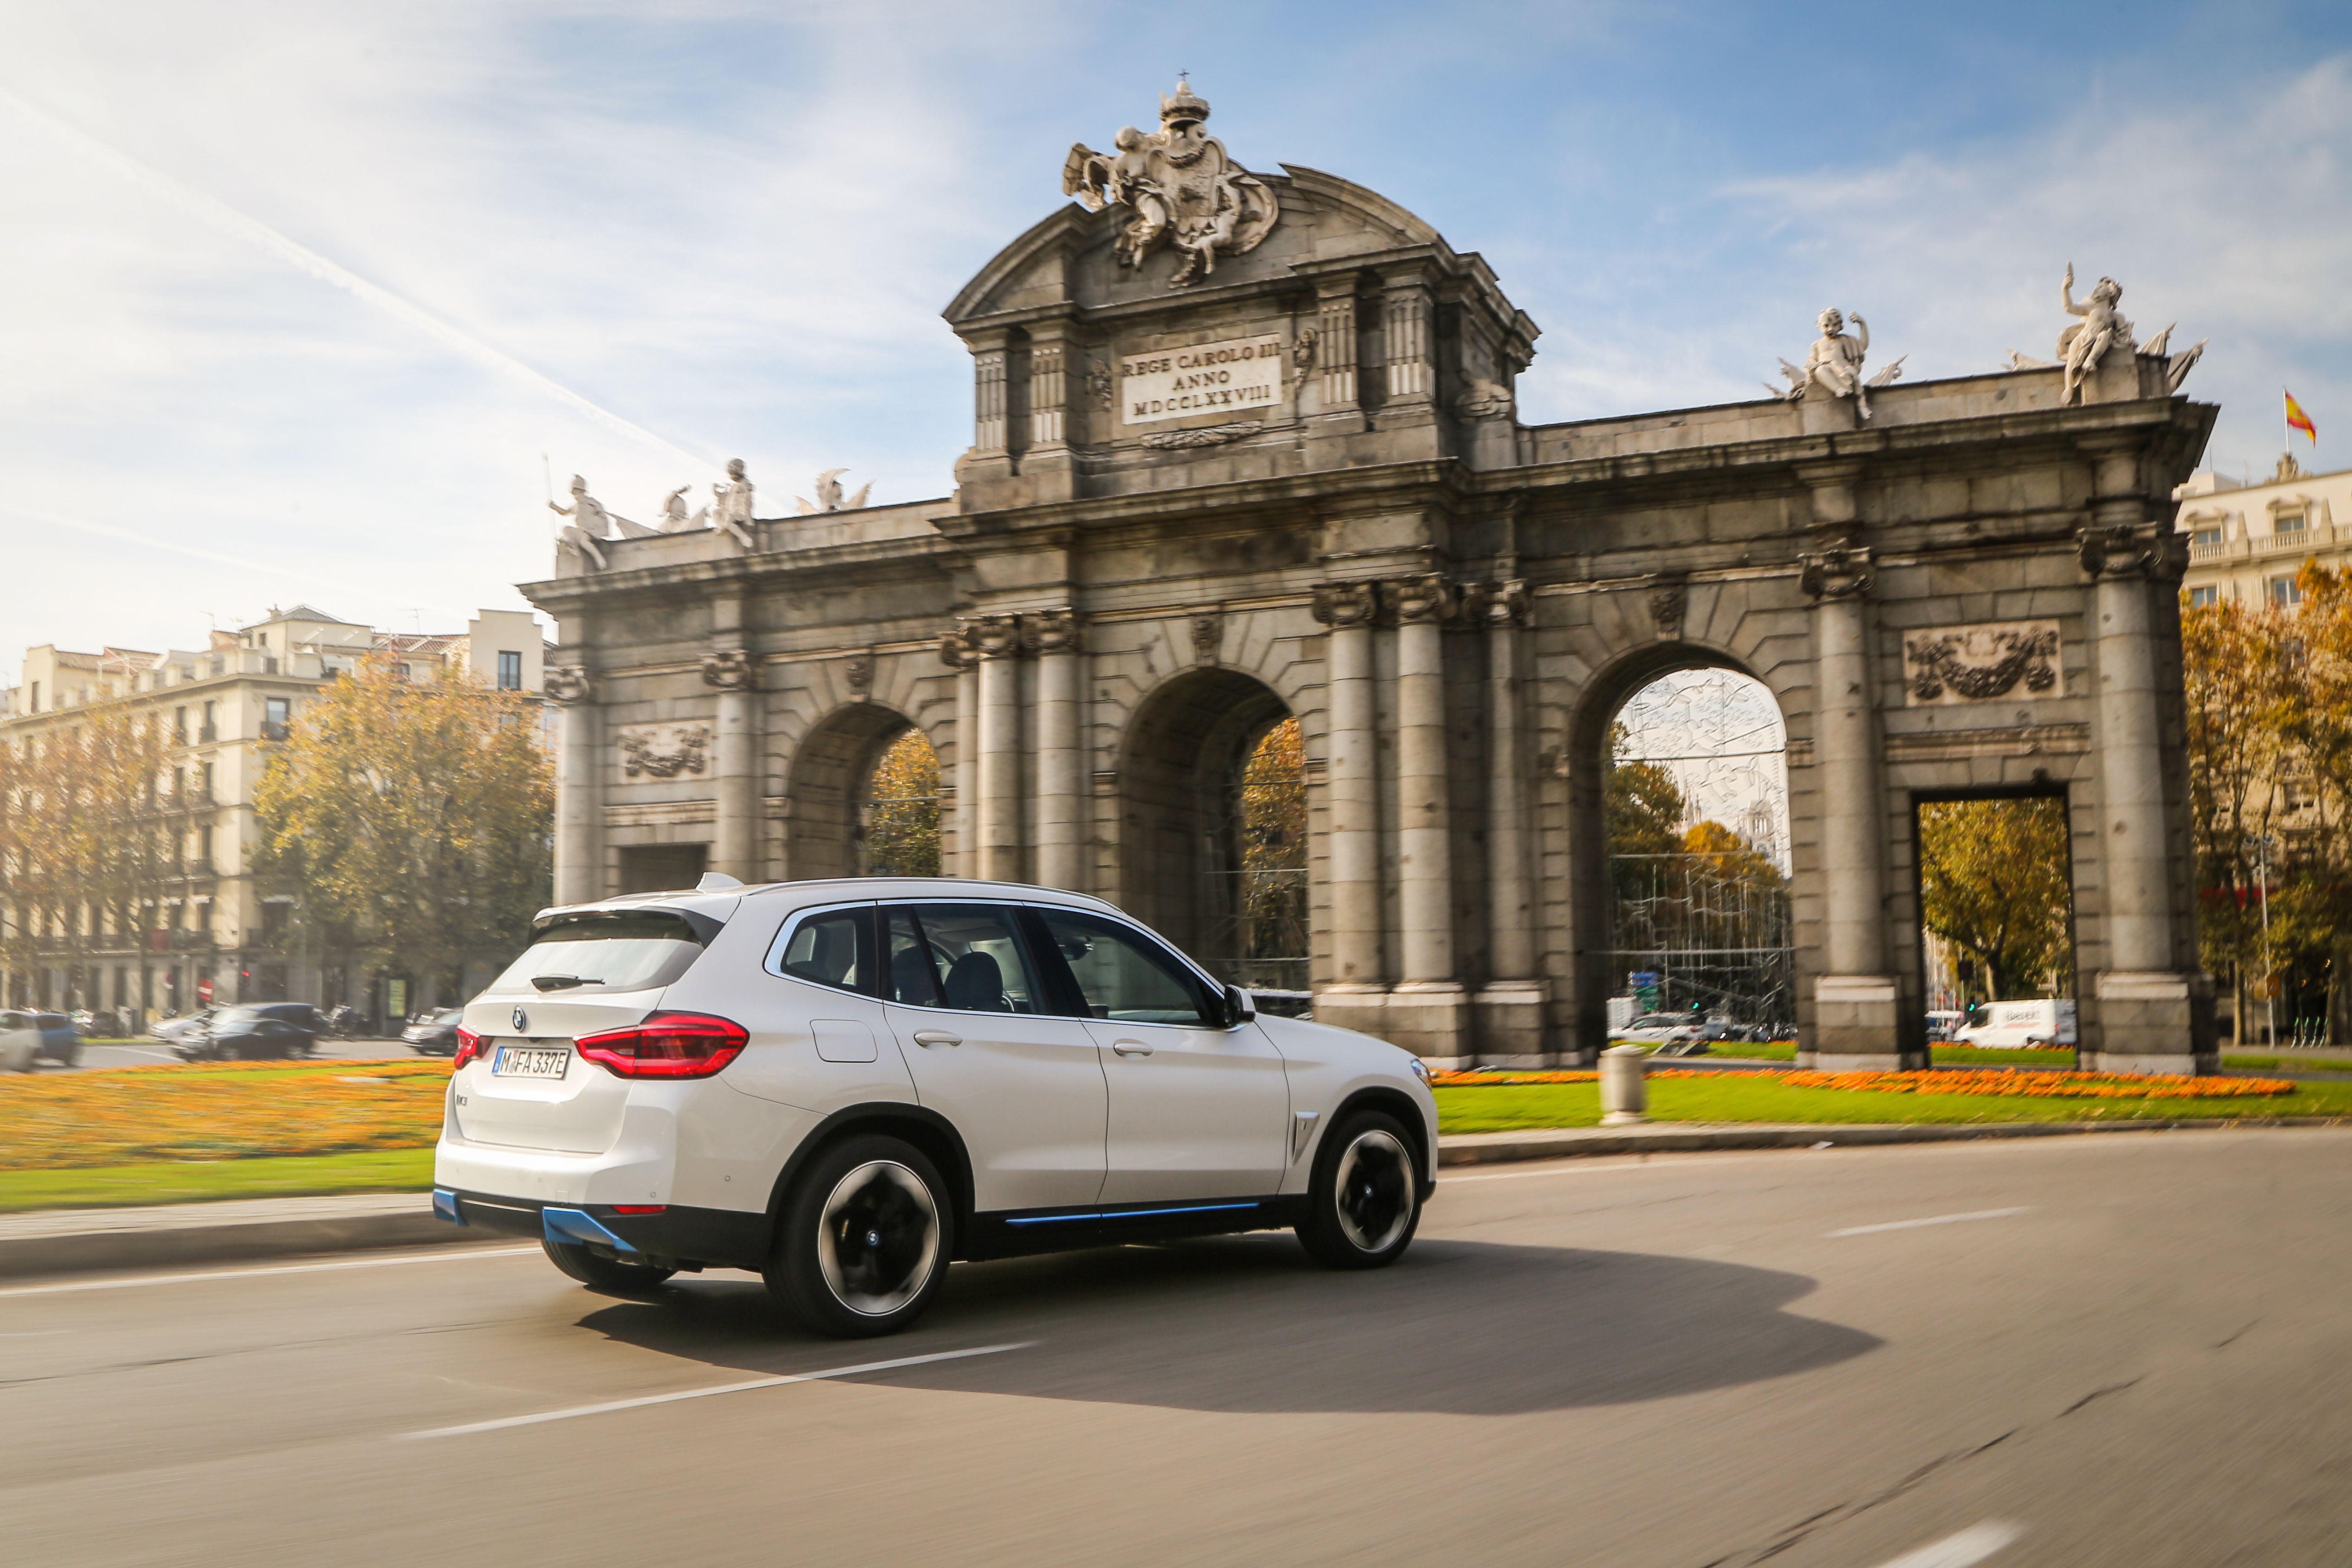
<point x="64" y="1241"/>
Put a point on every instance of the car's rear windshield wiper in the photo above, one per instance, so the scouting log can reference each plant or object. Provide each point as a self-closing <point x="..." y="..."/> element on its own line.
<point x="563" y="982"/>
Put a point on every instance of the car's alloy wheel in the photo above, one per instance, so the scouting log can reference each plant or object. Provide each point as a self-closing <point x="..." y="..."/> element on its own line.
<point x="864" y="1238"/>
<point x="1365" y="1201"/>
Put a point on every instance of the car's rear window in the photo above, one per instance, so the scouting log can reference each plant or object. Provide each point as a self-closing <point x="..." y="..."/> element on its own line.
<point x="636" y="950"/>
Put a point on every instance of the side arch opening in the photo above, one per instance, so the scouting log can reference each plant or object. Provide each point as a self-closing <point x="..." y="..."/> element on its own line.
<point x="865" y="790"/>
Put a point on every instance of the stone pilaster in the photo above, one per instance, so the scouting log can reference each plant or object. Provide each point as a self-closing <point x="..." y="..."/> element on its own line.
<point x="1428" y="1007"/>
<point x="997" y="641"/>
<point x="1352" y="995"/>
<point x="1335" y="345"/>
<point x="1510" y="1005"/>
<point x="960" y="856"/>
<point x="734" y="671"/>
<point x="1405" y="332"/>
<point x="579" y="785"/>
<point x="2153" y="1015"/>
<point x="1048" y="387"/>
<point x="1856" y="1002"/>
<point x="1061" y="800"/>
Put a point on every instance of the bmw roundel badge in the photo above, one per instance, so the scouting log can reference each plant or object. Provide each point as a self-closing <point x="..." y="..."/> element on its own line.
<point x="521" y="1021"/>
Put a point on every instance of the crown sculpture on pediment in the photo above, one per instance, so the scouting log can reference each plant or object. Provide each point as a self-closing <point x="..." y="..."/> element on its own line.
<point x="1179" y="188"/>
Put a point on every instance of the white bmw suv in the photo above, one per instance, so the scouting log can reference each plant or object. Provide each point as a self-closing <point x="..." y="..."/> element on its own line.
<point x="844" y="1085"/>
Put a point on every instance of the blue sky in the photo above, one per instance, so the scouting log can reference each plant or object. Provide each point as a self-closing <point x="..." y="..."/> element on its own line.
<point x="730" y="228"/>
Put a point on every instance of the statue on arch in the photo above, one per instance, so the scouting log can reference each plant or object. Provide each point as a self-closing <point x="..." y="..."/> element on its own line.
<point x="730" y="503"/>
<point x="1179" y="188"/>
<point x="829" y="495"/>
<point x="2082" y="346"/>
<point x="1833" y="367"/>
<point x="590" y="526"/>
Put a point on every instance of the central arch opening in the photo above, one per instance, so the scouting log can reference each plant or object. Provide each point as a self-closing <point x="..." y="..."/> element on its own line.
<point x="1215" y="828"/>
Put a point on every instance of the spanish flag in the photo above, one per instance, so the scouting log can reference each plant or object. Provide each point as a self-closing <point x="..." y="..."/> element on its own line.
<point x="2297" y="419"/>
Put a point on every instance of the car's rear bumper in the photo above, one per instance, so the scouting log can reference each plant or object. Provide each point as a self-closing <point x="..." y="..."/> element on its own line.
<point x="678" y="1236"/>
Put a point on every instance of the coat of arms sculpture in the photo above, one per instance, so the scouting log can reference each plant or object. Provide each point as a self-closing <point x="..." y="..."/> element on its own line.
<point x="1179" y="188"/>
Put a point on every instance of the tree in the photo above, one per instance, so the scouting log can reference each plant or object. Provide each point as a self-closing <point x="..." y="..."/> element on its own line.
<point x="86" y="840"/>
<point x="1993" y="883"/>
<point x="2318" y="903"/>
<point x="411" y="823"/>
<point x="1641" y="816"/>
<point x="902" y="810"/>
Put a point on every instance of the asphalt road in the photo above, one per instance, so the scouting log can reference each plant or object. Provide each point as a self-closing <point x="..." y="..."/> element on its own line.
<point x="2128" y="1350"/>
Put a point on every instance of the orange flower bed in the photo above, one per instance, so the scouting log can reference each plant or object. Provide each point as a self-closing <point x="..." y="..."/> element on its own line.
<point x="2006" y="1081"/>
<point x="218" y="1110"/>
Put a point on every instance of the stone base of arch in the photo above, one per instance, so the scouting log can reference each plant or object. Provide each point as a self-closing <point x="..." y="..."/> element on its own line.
<point x="1855" y="1018"/>
<point x="1510" y="1019"/>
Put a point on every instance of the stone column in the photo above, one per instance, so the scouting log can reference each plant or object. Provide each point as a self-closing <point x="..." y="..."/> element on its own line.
<point x="1428" y="1006"/>
<point x="579" y="785"/>
<point x="1510" y="1006"/>
<point x="1053" y="635"/>
<point x="1855" y="1021"/>
<point x="997" y="641"/>
<point x="1357" y="985"/>
<point x="2152" y="1016"/>
<point x="956" y="651"/>
<point x="734" y="671"/>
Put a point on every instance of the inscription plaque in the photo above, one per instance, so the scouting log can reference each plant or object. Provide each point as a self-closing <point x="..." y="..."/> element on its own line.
<point x="1205" y="378"/>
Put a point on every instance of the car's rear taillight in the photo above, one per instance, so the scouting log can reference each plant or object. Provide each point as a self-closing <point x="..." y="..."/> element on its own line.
<point x="470" y="1048"/>
<point x="667" y="1045"/>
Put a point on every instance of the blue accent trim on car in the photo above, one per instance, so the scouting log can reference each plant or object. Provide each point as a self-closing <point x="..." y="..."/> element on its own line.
<point x="1132" y="1214"/>
<point x="576" y="1228"/>
<point x="445" y="1207"/>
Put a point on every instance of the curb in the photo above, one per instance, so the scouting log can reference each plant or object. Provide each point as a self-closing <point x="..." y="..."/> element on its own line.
<point x="74" y="1241"/>
<point x="1665" y="1138"/>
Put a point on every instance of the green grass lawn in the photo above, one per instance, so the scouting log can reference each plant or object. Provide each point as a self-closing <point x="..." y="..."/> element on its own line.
<point x="1744" y="1097"/>
<point x="1945" y="1056"/>
<point x="114" y="1187"/>
<point x="2291" y="1062"/>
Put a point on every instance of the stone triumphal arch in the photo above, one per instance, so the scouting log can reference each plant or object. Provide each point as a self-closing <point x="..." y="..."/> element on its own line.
<point x="1247" y="450"/>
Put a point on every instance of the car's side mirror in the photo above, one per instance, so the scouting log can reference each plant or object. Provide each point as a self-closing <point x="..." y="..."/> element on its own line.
<point x="1239" y="1007"/>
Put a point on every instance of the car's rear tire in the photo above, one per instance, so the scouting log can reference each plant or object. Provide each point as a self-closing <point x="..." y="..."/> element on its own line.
<point x="1364" y="1203"/>
<point x="864" y="1240"/>
<point x="603" y="1273"/>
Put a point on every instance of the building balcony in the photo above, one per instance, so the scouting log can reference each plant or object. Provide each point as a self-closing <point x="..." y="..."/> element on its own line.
<point x="207" y="733"/>
<point x="187" y="941"/>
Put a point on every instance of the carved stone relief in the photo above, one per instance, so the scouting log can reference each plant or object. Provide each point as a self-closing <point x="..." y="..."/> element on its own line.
<point x="1178" y="188"/>
<point x="568" y="683"/>
<point x="2152" y="551"/>
<point x="663" y="750"/>
<point x="1345" y="603"/>
<point x="1839" y="573"/>
<point x="1983" y="663"/>
<point x="1208" y="636"/>
<point x="858" y="674"/>
<point x="1204" y="436"/>
<point x="1667" y="602"/>
<point x="730" y="669"/>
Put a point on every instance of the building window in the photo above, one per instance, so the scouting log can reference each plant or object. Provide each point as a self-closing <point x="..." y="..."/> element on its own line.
<point x="2288" y="522"/>
<point x="2205" y="536"/>
<point x="276" y="713"/>
<point x="36" y="708"/>
<point x="2285" y="591"/>
<point x="509" y="670"/>
<point x="2209" y="594"/>
<point x="204" y="783"/>
<point x="210" y="731"/>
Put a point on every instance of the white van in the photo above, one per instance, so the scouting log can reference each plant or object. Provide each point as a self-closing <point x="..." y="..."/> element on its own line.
<point x="2015" y="1026"/>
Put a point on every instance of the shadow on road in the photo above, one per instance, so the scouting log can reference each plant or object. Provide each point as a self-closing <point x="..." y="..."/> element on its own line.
<point x="1246" y="1324"/>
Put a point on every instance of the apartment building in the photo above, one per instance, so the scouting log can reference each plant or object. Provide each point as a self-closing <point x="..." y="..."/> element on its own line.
<point x="214" y="936"/>
<point x="2247" y="541"/>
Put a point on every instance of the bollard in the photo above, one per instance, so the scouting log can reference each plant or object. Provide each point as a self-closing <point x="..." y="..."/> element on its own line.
<point x="1624" y="1096"/>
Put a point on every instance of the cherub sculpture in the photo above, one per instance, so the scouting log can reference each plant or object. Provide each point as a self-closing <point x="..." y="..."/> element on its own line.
<point x="730" y="503"/>
<point x="1835" y="365"/>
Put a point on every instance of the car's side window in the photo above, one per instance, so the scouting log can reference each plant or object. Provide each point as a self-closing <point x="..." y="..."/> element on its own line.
<point x="910" y="973"/>
<point x="974" y="955"/>
<point x="824" y="949"/>
<point x="1123" y="975"/>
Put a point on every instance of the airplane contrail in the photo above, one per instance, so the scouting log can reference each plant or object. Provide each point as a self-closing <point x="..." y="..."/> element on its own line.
<point x="226" y="219"/>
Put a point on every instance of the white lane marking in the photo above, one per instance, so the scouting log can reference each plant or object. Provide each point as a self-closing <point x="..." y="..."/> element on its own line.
<point x="1972" y="1545"/>
<point x="1613" y="1163"/>
<point x="707" y="1392"/>
<point x="259" y="1273"/>
<point x="1931" y="1219"/>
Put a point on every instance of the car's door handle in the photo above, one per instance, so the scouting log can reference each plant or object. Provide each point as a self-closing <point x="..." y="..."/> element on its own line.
<point x="937" y="1037"/>
<point x="1130" y="1047"/>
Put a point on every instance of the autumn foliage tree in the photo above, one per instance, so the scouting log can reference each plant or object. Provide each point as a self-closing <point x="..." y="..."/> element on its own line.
<point x="86" y="832"/>
<point x="902" y="809"/>
<point x="411" y="823"/>
<point x="1993" y="883"/>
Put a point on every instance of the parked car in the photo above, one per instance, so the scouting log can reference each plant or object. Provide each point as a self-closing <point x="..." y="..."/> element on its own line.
<point x="1664" y="1030"/>
<point x="264" y="1031"/>
<point x="60" y="1040"/>
<point x="20" y="1042"/>
<point x="845" y="1085"/>
<point x="437" y="1036"/>
<point x="171" y="1031"/>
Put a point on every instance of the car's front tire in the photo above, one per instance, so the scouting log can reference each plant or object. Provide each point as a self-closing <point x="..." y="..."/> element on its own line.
<point x="1364" y="1204"/>
<point x="864" y="1238"/>
<point x="603" y="1273"/>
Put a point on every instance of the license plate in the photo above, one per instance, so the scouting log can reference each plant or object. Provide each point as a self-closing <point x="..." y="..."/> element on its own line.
<point x="529" y="1061"/>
